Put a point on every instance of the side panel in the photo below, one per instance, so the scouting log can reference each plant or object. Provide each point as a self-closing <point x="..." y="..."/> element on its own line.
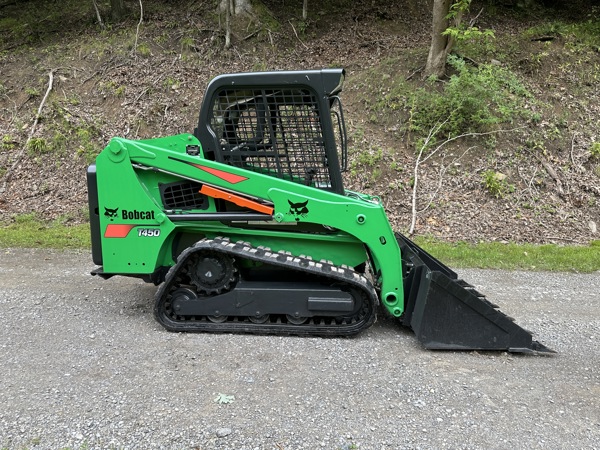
<point x="137" y="231"/>
<point x="133" y="226"/>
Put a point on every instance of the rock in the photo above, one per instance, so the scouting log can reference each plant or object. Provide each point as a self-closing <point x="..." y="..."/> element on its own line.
<point x="223" y="432"/>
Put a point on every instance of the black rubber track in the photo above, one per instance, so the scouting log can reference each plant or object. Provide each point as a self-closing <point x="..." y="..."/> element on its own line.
<point x="315" y="326"/>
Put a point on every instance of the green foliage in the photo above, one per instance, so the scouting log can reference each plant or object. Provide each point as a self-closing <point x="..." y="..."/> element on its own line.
<point x="463" y="33"/>
<point x="171" y="83"/>
<point x="143" y="50"/>
<point x="11" y="27"/>
<point x="266" y="18"/>
<point x="457" y="8"/>
<point x="9" y="24"/>
<point x="595" y="150"/>
<point x="72" y="133"/>
<point x="187" y="43"/>
<point x="367" y="161"/>
<point x="579" y="36"/>
<point x="302" y="26"/>
<point x="87" y="147"/>
<point x="259" y="66"/>
<point x="458" y="32"/>
<point x="37" y="146"/>
<point x="32" y="92"/>
<point x="495" y="183"/>
<point x="8" y="142"/>
<point x="59" y="141"/>
<point x="112" y="88"/>
<point x="475" y="99"/>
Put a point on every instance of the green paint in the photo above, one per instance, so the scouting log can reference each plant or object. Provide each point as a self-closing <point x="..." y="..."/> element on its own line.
<point x="129" y="174"/>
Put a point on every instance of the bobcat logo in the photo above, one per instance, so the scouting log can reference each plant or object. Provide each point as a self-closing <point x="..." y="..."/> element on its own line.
<point x="110" y="213"/>
<point x="298" y="209"/>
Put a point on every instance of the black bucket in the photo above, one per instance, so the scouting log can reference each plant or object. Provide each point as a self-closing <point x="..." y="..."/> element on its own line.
<point x="449" y="314"/>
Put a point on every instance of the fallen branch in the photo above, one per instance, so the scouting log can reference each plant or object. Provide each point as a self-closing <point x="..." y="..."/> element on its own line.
<point x="442" y="172"/>
<point x="432" y="133"/>
<point x="577" y="167"/>
<point x="8" y="173"/>
<point x="558" y="238"/>
<point x="473" y="21"/>
<point x="294" y="28"/>
<point x="531" y="190"/>
<point x="420" y="160"/>
<point x="553" y="174"/>
<point x="419" y="70"/>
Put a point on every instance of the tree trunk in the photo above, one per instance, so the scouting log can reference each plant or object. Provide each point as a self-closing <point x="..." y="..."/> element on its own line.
<point x="98" y="16"/>
<point x="117" y="9"/>
<point x="228" y="12"/>
<point x="239" y="6"/>
<point x="436" y="61"/>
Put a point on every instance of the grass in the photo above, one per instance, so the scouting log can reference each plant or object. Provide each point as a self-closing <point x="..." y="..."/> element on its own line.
<point x="28" y="231"/>
<point x="511" y="256"/>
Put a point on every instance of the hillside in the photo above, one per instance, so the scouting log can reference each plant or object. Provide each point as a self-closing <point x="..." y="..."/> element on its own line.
<point x="533" y="176"/>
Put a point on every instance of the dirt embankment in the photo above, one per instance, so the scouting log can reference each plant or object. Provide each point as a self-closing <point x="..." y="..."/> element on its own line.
<point x="104" y="87"/>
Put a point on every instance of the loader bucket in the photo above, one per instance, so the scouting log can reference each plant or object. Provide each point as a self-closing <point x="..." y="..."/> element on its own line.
<point x="447" y="313"/>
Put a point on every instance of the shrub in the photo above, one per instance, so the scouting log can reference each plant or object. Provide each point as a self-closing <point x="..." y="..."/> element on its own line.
<point x="475" y="99"/>
<point x="595" y="150"/>
<point x="495" y="183"/>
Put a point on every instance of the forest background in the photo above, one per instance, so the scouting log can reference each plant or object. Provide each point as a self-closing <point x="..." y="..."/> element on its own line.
<point x="502" y="145"/>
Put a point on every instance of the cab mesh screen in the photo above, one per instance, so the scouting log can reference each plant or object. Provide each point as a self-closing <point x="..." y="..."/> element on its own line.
<point x="275" y="132"/>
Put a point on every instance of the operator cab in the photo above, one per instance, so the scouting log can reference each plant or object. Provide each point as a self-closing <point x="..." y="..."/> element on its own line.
<point x="284" y="124"/>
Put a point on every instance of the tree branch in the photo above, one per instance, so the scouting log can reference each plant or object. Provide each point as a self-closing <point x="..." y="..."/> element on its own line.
<point x="442" y="172"/>
<point x="293" y="28"/>
<point x="19" y="156"/>
<point x="432" y="133"/>
<point x="98" y="16"/>
<point x="137" y="30"/>
<point x="420" y="160"/>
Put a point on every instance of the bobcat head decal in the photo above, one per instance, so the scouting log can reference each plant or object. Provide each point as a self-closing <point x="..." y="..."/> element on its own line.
<point x="298" y="209"/>
<point x="111" y="213"/>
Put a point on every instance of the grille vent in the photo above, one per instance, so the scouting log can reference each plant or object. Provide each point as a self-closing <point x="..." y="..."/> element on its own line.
<point x="183" y="195"/>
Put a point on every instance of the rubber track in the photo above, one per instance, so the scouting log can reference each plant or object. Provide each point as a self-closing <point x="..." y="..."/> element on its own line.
<point x="313" y="327"/>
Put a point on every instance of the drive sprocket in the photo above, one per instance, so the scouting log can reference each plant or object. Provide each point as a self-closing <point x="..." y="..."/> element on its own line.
<point x="212" y="272"/>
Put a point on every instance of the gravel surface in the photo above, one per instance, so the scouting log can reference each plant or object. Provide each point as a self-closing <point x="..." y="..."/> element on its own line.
<point x="84" y="365"/>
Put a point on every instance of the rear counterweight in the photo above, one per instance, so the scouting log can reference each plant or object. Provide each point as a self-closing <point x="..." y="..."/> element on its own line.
<point x="92" y="185"/>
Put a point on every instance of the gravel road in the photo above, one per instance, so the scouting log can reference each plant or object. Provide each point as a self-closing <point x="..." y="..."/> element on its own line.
<point x="84" y="365"/>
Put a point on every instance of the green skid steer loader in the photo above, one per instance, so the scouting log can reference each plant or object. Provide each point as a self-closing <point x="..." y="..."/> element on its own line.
<point x="246" y="226"/>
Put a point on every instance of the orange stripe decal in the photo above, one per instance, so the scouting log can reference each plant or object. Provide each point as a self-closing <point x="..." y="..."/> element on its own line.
<point x="236" y="199"/>
<point x="229" y="177"/>
<point x="114" y="230"/>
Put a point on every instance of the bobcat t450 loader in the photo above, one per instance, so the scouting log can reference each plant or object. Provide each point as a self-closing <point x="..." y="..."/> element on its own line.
<point x="246" y="226"/>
